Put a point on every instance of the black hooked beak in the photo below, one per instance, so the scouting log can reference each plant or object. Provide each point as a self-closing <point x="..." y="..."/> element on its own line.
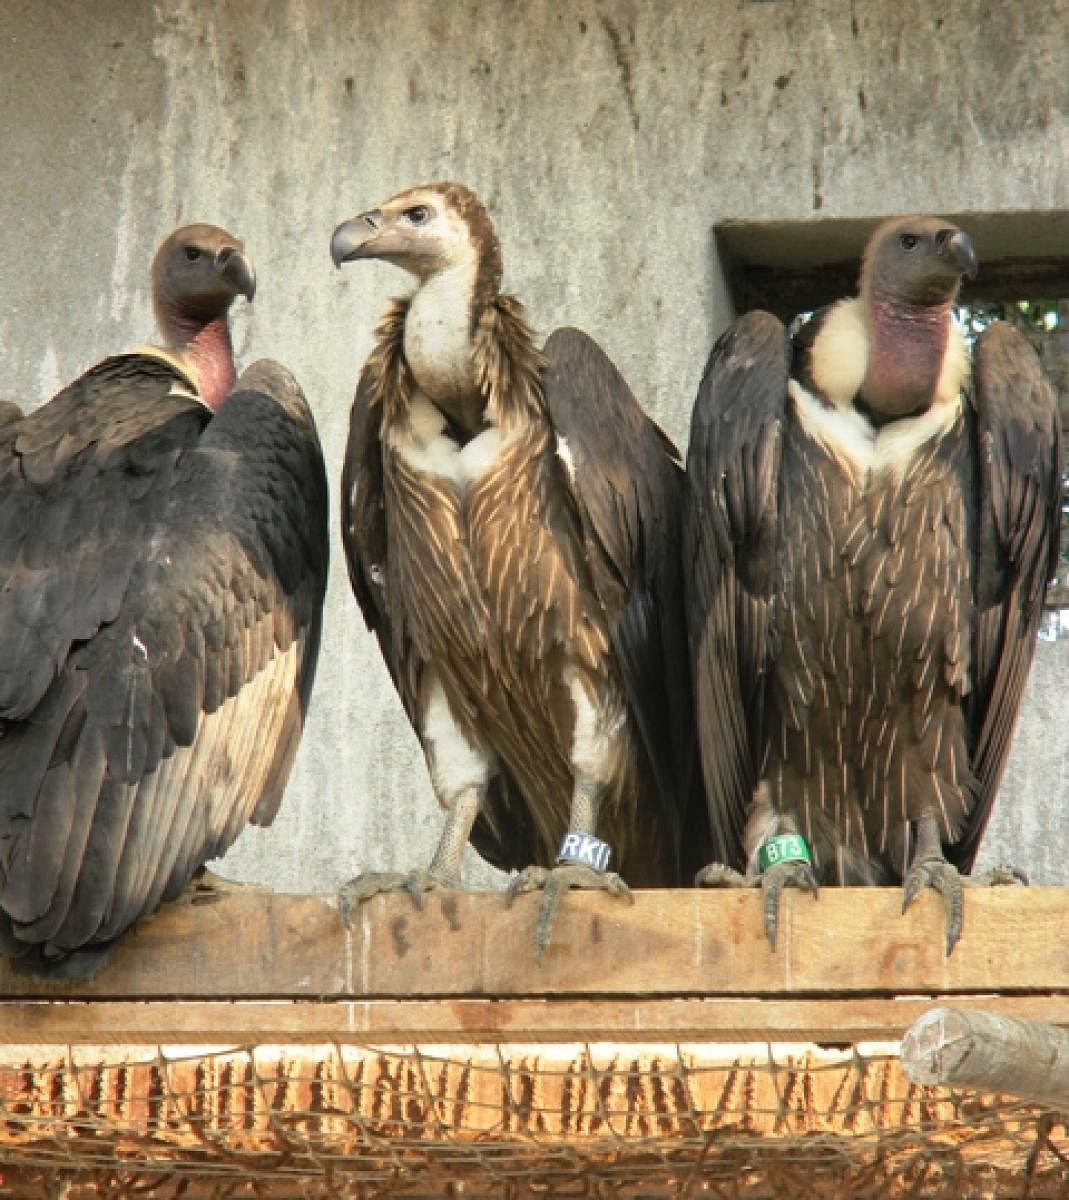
<point x="236" y="268"/>
<point x="958" y="248"/>
<point x="352" y="239"/>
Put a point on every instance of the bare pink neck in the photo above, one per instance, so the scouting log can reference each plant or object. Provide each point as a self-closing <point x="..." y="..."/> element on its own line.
<point x="909" y="342"/>
<point x="208" y="349"/>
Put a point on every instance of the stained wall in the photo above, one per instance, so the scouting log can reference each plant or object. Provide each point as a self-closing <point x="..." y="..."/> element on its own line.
<point x="608" y="138"/>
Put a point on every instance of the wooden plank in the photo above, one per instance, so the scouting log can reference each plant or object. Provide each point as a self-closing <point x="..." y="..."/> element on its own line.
<point x="382" y="1022"/>
<point x="251" y="944"/>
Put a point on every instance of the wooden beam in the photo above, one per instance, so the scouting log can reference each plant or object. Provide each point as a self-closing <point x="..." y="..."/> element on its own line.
<point x="851" y="942"/>
<point x="989" y="1052"/>
<point x="255" y="944"/>
<point x="392" y="1022"/>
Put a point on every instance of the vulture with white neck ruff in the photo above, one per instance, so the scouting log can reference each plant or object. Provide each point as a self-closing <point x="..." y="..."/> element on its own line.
<point x="163" y="551"/>
<point x="868" y="541"/>
<point x="511" y="523"/>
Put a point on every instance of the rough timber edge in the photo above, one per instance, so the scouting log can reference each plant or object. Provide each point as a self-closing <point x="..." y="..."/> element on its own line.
<point x="252" y="966"/>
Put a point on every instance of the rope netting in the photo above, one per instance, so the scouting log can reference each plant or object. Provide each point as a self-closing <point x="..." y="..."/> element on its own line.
<point x="738" y="1122"/>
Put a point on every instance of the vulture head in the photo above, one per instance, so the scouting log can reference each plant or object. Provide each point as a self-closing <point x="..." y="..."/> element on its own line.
<point x="427" y="230"/>
<point x="196" y="275"/>
<point x="910" y="275"/>
<point x="917" y="261"/>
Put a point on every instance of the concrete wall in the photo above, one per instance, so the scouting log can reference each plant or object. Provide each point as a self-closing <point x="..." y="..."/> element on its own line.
<point x="608" y="139"/>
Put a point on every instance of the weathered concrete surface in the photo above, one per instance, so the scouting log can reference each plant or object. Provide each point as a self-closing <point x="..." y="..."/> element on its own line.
<point x="609" y="138"/>
<point x="1030" y="825"/>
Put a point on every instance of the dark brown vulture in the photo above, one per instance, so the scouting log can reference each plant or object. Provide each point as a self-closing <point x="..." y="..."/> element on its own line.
<point x="868" y="541"/>
<point x="511" y="523"/>
<point x="163" y="551"/>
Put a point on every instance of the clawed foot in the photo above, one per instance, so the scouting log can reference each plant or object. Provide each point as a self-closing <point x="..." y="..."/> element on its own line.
<point x="772" y="881"/>
<point x="716" y="875"/>
<point x="206" y="887"/>
<point x="416" y="883"/>
<point x="1001" y="876"/>
<point x="938" y="874"/>
<point x="555" y="882"/>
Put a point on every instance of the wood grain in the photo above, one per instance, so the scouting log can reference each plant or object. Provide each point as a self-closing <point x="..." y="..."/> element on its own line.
<point x="251" y="966"/>
<point x="394" y="1022"/>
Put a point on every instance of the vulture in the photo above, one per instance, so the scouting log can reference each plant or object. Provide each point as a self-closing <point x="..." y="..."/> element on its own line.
<point x="870" y="525"/>
<point x="511" y="522"/>
<point x="163" y="551"/>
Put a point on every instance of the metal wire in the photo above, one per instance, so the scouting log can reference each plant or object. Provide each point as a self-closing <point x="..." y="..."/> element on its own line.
<point x="512" y="1121"/>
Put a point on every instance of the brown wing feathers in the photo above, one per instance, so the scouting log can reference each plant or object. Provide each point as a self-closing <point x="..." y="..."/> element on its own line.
<point x="732" y="560"/>
<point x="1018" y="479"/>
<point x="627" y="494"/>
<point x="157" y="681"/>
<point x="863" y="610"/>
<point x="517" y="585"/>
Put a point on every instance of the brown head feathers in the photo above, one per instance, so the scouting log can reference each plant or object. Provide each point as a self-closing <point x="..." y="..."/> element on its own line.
<point x="917" y="260"/>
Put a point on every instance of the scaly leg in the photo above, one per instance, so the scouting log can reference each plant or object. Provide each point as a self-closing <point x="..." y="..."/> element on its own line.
<point x="556" y="881"/>
<point x="459" y="773"/>
<point x="442" y="872"/>
<point x="592" y="754"/>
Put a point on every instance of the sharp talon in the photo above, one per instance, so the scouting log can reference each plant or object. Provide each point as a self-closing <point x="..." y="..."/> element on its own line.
<point x="530" y="879"/>
<point x="372" y="883"/>
<point x="941" y="877"/>
<point x="911" y="891"/>
<point x="547" y="917"/>
<point x="718" y="875"/>
<point x="789" y="874"/>
<point x="812" y="887"/>
<point x="772" y="917"/>
<point x="556" y="882"/>
<point x="1001" y="876"/>
<point x="619" y="888"/>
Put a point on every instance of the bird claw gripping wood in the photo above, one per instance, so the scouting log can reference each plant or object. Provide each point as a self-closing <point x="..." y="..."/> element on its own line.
<point x="371" y="883"/>
<point x="939" y="875"/>
<point x="1001" y="876"/>
<point x="555" y="882"/>
<point x="771" y="881"/>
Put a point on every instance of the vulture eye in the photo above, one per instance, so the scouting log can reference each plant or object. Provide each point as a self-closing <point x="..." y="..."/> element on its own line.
<point x="418" y="214"/>
<point x="908" y="241"/>
<point x="192" y="253"/>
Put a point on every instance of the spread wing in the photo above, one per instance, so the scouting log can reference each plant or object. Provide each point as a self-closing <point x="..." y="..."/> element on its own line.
<point x="154" y="711"/>
<point x="729" y="559"/>
<point x="1019" y="484"/>
<point x="626" y="485"/>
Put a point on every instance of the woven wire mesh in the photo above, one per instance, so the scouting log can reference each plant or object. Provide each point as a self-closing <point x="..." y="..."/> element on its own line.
<point x="743" y="1123"/>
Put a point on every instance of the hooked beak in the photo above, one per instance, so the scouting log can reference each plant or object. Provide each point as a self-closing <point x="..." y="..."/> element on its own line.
<point x="960" y="250"/>
<point x="237" y="269"/>
<point x="353" y="239"/>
